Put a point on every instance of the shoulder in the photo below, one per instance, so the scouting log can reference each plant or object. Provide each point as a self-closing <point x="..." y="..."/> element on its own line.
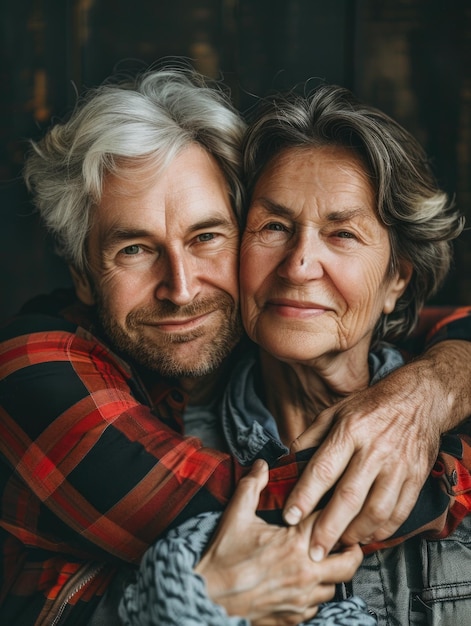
<point x="53" y="330"/>
<point x="51" y="362"/>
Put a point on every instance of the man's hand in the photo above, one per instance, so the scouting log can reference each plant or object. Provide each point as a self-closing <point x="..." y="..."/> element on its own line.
<point x="263" y="572"/>
<point x="378" y="446"/>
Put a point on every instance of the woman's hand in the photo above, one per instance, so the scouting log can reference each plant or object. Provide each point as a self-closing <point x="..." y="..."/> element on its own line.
<point x="263" y="572"/>
<point x="378" y="447"/>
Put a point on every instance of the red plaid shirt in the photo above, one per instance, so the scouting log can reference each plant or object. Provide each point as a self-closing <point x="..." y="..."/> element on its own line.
<point x="93" y="465"/>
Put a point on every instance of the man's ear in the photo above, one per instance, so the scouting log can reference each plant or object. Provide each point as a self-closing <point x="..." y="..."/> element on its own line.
<point x="397" y="286"/>
<point x="83" y="287"/>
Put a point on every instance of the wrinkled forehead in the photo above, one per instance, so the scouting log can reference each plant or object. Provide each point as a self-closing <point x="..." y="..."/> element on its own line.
<point x="331" y="170"/>
<point x="335" y="155"/>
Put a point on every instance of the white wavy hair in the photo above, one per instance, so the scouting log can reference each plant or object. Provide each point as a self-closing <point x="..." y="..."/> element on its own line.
<point x="118" y="127"/>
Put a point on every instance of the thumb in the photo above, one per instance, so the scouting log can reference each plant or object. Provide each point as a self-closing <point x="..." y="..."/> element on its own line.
<point x="244" y="502"/>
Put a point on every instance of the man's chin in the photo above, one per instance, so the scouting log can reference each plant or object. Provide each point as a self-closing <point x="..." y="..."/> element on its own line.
<point x="174" y="368"/>
<point x="182" y="360"/>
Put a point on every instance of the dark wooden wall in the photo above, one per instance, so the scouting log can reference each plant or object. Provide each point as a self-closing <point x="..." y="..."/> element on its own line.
<point x="412" y="58"/>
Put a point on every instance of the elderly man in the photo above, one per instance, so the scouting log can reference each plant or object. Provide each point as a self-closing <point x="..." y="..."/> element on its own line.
<point x="141" y="189"/>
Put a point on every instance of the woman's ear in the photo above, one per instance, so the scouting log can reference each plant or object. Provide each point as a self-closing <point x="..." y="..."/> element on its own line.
<point x="397" y="286"/>
<point x="83" y="287"/>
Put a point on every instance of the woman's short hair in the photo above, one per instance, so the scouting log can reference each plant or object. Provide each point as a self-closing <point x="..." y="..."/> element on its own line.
<point x="420" y="219"/>
<point x="121" y="125"/>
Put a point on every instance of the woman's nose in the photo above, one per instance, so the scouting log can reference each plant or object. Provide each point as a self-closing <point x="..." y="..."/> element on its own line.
<point x="303" y="261"/>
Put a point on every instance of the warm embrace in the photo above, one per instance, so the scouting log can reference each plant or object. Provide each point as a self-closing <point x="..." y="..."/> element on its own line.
<point x="132" y="410"/>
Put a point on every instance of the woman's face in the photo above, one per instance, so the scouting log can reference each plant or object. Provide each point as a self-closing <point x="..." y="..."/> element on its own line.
<point x="315" y="257"/>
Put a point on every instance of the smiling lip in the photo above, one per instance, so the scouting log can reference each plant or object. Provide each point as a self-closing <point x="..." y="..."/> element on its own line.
<point x="295" y="308"/>
<point x="177" y="325"/>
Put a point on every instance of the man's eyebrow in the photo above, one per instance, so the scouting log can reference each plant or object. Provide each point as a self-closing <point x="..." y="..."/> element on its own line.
<point x="119" y="234"/>
<point x="211" y="222"/>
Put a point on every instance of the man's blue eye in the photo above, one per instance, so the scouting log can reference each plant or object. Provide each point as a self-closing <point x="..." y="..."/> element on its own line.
<point x="206" y="236"/>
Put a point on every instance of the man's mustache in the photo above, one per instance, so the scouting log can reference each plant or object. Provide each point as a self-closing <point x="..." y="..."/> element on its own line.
<point x="165" y="309"/>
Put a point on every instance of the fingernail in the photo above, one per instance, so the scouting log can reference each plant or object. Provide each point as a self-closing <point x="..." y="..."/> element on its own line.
<point x="293" y="515"/>
<point x="316" y="553"/>
<point x="259" y="465"/>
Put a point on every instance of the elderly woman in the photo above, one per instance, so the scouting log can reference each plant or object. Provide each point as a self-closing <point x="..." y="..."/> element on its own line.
<point x="346" y="237"/>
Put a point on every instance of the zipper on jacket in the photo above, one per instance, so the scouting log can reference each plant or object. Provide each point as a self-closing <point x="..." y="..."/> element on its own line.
<point x="83" y="578"/>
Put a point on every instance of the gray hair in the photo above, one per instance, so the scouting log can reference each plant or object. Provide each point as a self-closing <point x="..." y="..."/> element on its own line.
<point x="122" y="125"/>
<point x="421" y="220"/>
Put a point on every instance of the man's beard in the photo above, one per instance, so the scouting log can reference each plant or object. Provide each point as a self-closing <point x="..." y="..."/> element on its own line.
<point x="159" y="356"/>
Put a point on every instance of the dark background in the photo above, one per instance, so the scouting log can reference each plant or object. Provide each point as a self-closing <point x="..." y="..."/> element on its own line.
<point x="411" y="58"/>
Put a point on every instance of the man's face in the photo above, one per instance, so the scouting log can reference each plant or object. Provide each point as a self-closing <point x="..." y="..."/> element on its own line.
<point x="163" y="252"/>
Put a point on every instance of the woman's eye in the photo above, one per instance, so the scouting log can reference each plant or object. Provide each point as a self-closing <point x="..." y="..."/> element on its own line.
<point x="273" y="233"/>
<point x="131" y="250"/>
<point x="275" y="226"/>
<point x="345" y="234"/>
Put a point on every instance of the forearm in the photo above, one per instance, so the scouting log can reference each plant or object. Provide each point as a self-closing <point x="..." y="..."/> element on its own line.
<point x="76" y="438"/>
<point x="449" y="355"/>
<point x="86" y="457"/>
<point x="447" y="368"/>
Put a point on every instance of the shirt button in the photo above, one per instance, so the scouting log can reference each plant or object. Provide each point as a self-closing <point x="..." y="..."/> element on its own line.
<point x="454" y="478"/>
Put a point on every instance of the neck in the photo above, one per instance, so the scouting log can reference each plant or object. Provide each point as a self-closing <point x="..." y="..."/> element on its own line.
<point x="205" y="389"/>
<point x="295" y="394"/>
<point x="199" y="389"/>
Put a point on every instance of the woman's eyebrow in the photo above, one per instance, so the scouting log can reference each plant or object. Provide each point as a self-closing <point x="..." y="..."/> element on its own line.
<point x="274" y="207"/>
<point x="345" y="215"/>
<point x="341" y="215"/>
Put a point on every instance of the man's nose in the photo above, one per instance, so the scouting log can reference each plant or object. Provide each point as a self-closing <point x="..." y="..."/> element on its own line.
<point x="177" y="282"/>
<point x="303" y="260"/>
